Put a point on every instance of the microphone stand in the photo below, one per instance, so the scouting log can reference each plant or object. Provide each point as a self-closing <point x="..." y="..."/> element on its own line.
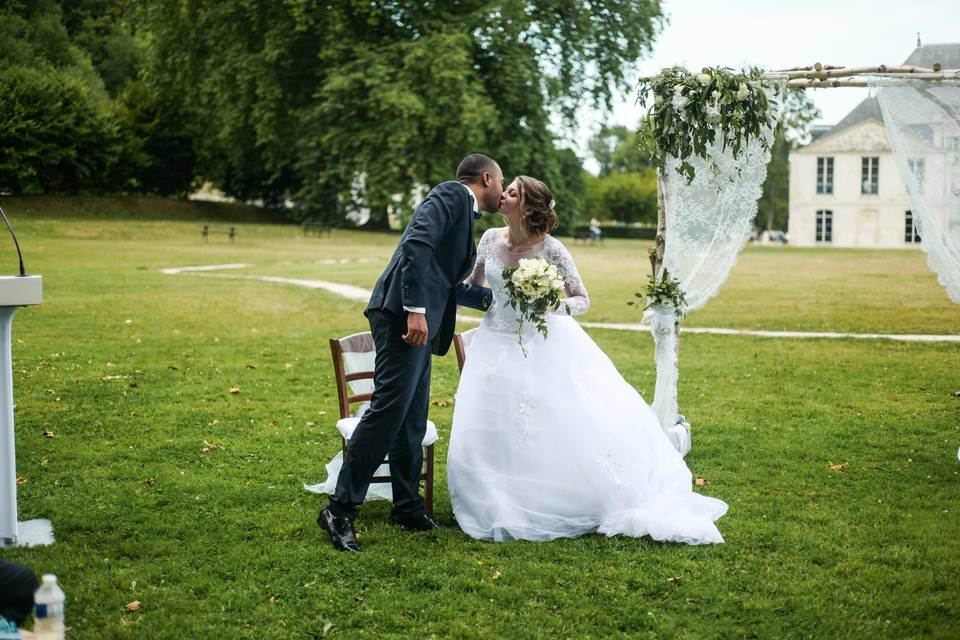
<point x="23" y="272"/>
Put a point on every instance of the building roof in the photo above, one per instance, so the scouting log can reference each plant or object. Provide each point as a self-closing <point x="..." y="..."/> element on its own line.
<point x="947" y="54"/>
<point x="869" y="109"/>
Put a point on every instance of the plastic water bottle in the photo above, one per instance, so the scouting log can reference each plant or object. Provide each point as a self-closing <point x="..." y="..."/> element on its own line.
<point x="49" y="608"/>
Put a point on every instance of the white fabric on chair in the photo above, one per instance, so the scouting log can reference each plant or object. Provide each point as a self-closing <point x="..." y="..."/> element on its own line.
<point x="346" y="426"/>
<point x="356" y="362"/>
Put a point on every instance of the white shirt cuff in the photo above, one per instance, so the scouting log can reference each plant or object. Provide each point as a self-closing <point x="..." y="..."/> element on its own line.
<point x="414" y="309"/>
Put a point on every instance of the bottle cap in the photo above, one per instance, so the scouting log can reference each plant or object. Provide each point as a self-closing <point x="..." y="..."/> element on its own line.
<point x="49" y="578"/>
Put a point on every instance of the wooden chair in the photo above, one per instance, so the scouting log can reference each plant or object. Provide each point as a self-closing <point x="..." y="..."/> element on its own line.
<point x="460" y="343"/>
<point x="353" y="362"/>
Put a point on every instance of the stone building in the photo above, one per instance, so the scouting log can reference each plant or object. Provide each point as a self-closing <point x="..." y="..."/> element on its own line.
<point x="845" y="188"/>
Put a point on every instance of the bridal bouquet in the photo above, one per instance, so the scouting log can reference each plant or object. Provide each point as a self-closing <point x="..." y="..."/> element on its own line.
<point x="533" y="287"/>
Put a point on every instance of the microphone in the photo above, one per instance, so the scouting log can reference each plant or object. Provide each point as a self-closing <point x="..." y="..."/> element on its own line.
<point x="23" y="272"/>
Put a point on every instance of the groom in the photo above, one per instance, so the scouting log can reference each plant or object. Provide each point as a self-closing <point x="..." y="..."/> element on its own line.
<point x="412" y="313"/>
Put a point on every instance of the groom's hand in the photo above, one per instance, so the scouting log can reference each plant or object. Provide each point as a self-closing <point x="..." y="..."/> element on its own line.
<point x="417" y="330"/>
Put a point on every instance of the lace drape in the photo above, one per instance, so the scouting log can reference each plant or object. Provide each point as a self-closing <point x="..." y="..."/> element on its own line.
<point x="708" y="222"/>
<point x="923" y="126"/>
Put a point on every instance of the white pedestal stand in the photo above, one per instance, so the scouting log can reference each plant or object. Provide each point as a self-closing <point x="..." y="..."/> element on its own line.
<point x="14" y="292"/>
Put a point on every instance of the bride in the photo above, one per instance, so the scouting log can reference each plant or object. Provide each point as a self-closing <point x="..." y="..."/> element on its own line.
<point x="556" y="444"/>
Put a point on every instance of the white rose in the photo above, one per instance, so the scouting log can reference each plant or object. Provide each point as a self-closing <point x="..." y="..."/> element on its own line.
<point x="716" y="95"/>
<point x="678" y="89"/>
<point x="743" y="92"/>
<point x="713" y="113"/>
<point x="680" y="102"/>
<point x="704" y="78"/>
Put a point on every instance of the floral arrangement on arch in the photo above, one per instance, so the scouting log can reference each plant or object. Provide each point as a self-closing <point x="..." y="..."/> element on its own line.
<point x="665" y="292"/>
<point x="690" y="110"/>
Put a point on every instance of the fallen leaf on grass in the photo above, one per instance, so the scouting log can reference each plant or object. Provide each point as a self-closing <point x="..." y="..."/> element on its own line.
<point x="496" y="575"/>
<point x="210" y="446"/>
<point x="311" y="424"/>
<point x="674" y="579"/>
<point x="326" y="627"/>
<point x="446" y="402"/>
<point x="48" y="434"/>
<point x="173" y="367"/>
<point x="700" y="481"/>
<point x="21" y="480"/>
<point x="956" y="394"/>
<point x="837" y="467"/>
<point x="251" y="366"/>
<point x="288" y="365"/>
<point x="234" y="390"/>
<point x="109" y="378"/>
<point x="132" y="606"/>
<point x="151" y="482"/>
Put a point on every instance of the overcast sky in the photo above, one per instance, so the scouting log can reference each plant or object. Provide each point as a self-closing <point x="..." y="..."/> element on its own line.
<point x="777" y="35"/>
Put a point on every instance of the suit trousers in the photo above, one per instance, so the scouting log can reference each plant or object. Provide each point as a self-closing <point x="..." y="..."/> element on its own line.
<point x="395" y="423"/>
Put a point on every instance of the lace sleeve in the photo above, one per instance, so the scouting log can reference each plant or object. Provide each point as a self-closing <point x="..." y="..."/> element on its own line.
<point x="577" y="298"/>
<point x="479" y="274"/>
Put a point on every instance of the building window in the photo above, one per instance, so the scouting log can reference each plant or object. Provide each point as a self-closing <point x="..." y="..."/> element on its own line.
<point x="870" y="177"/>
<point x="824" y="175"/>
<point x="917" y="169"/>
<point x="910" y="234"/>
<point x="824" y="226"/>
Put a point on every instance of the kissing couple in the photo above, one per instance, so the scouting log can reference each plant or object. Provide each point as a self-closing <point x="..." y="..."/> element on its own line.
<point x="547" y="442"/>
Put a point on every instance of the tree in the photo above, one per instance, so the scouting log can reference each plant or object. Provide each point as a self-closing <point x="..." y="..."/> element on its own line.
<point x="617" y="150"/>
<point x="625" y="197"/>
<point x="797" y="112"/>
<point x="361" y="101"/>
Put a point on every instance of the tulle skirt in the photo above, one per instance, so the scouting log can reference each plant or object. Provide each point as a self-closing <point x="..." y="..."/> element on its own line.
<point x="557" y="444"/>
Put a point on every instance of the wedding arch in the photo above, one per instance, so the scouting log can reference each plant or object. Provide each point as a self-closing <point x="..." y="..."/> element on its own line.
<point x="709" y="134"/>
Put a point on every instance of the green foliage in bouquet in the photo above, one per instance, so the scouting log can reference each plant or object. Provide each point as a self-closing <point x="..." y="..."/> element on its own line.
<point x="665" y="292"/>
<point x="533" y="288"/>
<point x="692" y="111"/>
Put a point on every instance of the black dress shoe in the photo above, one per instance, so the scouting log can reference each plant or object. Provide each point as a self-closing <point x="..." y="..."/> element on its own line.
<point x="416" y="521"/>
<point x="340" y="529"/>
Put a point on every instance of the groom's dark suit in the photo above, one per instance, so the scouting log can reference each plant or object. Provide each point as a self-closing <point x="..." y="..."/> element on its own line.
<point x="435" y="255"/>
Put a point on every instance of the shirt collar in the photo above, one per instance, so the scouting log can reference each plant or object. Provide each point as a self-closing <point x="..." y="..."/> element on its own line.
<point x="473" y="200"/>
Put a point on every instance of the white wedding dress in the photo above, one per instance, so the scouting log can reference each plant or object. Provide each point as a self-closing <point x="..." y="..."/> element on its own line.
<point x="557" y="444"/>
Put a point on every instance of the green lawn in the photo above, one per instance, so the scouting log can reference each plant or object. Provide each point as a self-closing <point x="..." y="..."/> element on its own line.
<point x="131" y="370"/>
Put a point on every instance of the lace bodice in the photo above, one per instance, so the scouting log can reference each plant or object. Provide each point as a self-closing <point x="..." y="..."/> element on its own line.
<point x="493" y="257"/>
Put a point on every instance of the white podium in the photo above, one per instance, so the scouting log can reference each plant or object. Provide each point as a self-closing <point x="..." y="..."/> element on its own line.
<point x="14" y="292"/>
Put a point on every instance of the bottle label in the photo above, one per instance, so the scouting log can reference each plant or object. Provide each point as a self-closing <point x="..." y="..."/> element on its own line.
<point x="49" y="610"/>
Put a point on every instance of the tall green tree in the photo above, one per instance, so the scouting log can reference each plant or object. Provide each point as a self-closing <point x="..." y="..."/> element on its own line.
<point x="797" y="112"/>
<point x="354" y="102"/>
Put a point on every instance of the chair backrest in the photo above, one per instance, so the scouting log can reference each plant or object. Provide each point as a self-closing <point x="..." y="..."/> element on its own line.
<point x="353" y="364"/>
<point x="460" y="343"/>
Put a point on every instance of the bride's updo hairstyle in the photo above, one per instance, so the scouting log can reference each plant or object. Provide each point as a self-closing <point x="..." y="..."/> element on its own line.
<point x="535" y="196"/>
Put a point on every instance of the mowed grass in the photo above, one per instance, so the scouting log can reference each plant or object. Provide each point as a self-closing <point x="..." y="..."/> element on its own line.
<point x="131" y="371"/>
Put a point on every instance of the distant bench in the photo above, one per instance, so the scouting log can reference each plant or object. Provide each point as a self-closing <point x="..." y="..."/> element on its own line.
<point x="213" y="228"/>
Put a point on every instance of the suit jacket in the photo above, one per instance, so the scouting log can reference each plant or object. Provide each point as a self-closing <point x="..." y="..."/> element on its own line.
<point x="434" y="257"/>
